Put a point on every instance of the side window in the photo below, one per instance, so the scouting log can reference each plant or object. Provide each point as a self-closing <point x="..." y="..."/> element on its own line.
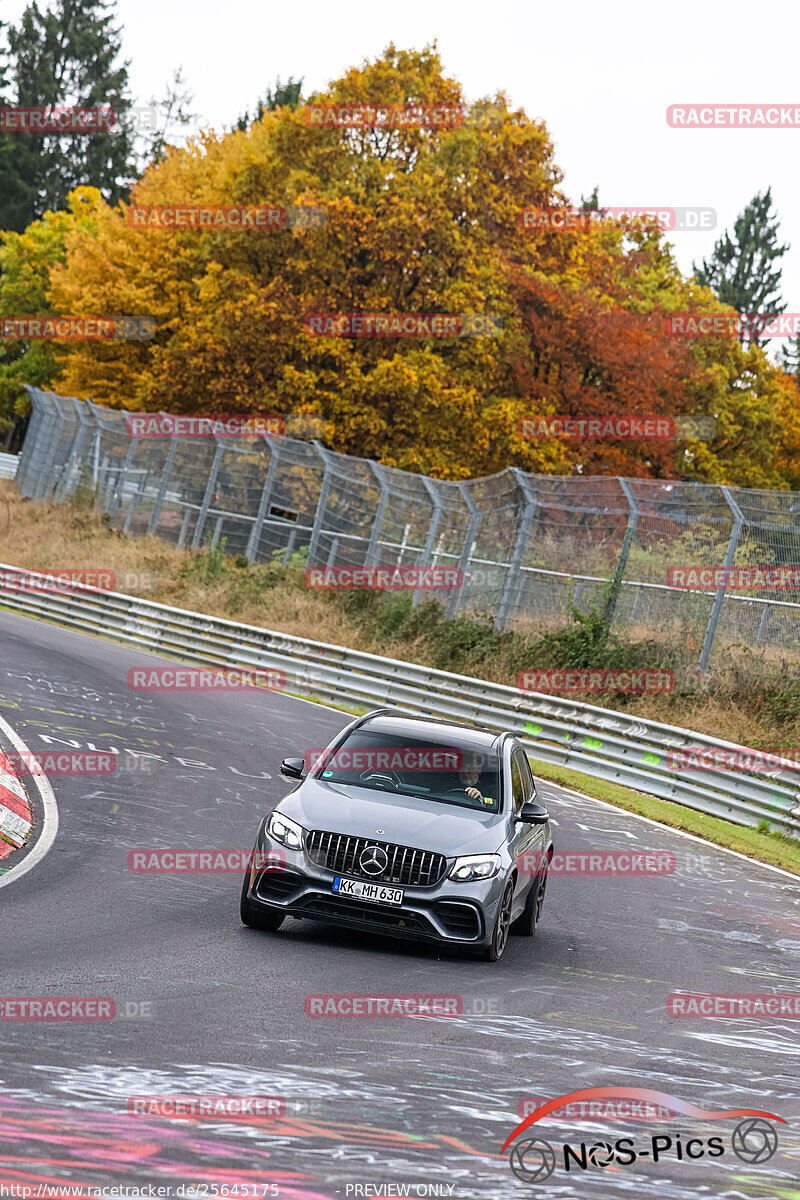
<point x="517" y="789"/>
<point x="527" y="777"/>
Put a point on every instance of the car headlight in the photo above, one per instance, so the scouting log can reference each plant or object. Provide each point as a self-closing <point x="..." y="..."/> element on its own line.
<point x="287" y="832"/>
<point x="475" y="866"/>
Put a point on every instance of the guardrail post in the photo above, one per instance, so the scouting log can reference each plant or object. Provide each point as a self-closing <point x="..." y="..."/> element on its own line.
<point x="625" y="549"/>
<point x="372" y="548"/>
<point x="716" y="607"/>
<point x="436" y="515"/>
<point x="466" y="551"/>
<point x="513" y="578"/>
<point x="255" y="533"/>
<point x="162" y="488"/>
<point x="319" y="516"/>
<point x="208" y="495"/>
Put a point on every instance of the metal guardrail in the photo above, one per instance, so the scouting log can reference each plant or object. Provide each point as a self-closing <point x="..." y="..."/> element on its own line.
<point x="8" y="466"/>
<point x="596" y="741"/>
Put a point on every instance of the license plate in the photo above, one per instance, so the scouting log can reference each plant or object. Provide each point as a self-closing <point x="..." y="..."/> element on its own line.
<point x="368" y="891"/>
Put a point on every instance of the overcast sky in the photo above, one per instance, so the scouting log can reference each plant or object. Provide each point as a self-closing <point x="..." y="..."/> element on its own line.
<point x="600" y="75"/>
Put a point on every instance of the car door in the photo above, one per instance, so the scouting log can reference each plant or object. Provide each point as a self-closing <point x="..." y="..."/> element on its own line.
<point x="528" y="844"/>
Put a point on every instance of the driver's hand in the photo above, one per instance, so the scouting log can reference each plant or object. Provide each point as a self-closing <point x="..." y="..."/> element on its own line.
<point x="473" y="793"/>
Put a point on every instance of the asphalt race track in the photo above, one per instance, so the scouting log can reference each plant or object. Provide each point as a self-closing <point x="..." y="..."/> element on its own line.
<point x="205" y="1005"/>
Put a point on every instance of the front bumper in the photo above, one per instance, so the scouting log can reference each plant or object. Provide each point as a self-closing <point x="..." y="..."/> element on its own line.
<point x="449" y="912"/>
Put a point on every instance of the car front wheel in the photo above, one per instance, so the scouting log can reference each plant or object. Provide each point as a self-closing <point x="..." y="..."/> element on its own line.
<point x="528" y="920"/>
<point x="257" y="918"/>
<point x="502" y="925"/>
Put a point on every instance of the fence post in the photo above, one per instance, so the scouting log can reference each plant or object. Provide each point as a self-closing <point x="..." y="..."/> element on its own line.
<point x="511" y="585"/>
<point x="33" y="436"/>
<point x="162" y="488"/>
<point x="374" y="537"/>
<point x="137" y="495"/>
<point x="44" y="481"/>
<point x="625" y="549"/>
<point x="211" y="485"/>
<point x="716" y="607"/>
<point x="116" y="499"/>
<point x="466" y="550"/>
<point x="73" y="464"/>
<point x="433" y="527"/>
<point x="319" y="516"/>
<point x="255" y="533"/>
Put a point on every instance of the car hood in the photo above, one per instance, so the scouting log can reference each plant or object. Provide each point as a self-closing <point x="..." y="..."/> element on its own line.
<point x="407" y="820"/>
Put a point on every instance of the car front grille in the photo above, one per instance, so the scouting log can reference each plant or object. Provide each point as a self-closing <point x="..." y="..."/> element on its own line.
<point x="345" y="909"/>
<point x="405" y="866"/>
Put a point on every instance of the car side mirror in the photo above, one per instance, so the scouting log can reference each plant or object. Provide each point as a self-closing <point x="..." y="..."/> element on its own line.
<point x="532" y="814"/>
<point x="292" y="768"/>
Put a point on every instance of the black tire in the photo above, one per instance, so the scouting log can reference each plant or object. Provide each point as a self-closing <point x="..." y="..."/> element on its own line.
<point x="258" y="918"/>
<point x="528" y="920"/>
<point x="502" y="926"/>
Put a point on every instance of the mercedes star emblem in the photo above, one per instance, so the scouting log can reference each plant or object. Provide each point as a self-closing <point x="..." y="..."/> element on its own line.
<point x="374" y="860"/>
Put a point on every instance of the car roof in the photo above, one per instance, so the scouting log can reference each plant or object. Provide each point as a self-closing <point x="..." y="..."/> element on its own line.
<point x="464" y="736"/>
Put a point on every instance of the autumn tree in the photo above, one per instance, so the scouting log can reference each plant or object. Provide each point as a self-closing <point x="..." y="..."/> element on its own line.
<point x="417" y="220"/>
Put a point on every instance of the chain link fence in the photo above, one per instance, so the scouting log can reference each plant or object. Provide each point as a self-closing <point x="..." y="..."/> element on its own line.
<point x="529" y="546"/>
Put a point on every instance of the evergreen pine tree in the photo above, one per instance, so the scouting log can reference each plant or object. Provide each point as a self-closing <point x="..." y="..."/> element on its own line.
<point x="744" y="270"/>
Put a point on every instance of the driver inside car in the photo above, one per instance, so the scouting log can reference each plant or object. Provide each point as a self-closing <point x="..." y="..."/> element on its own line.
<point x="470" y="775"/>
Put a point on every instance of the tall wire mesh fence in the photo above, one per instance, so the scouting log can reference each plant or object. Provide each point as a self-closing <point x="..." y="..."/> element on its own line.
<point x="528" y="546"/>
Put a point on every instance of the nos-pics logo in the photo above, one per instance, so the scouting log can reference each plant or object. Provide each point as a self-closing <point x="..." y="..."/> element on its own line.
<point x="533" y="1160"/>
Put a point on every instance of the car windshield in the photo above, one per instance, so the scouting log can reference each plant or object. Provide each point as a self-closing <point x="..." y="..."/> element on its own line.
<point x="443" y="772"/>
